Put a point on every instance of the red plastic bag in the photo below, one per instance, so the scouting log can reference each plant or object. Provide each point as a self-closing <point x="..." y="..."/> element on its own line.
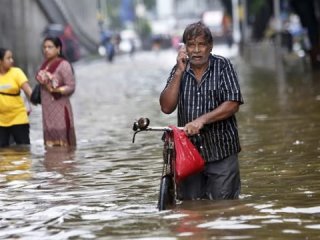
<point x="188" y="159"/>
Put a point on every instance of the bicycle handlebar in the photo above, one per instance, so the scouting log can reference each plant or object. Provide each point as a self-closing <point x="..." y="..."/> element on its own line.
<point x="156" y="129"/>
<point x="143" y="125"/>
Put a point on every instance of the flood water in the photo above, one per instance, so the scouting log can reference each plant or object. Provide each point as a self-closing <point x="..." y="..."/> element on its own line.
<point x="107" y="188"/>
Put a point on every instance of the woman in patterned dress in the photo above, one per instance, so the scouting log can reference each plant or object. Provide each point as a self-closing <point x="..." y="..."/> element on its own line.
<point x="57" y="81"/>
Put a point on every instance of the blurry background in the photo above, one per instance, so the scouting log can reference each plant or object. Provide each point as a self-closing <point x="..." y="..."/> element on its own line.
<point x="114" y="27"/>
<point x="108" y="187"/>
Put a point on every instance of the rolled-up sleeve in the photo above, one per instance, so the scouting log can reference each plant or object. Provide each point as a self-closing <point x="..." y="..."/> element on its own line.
<point x="230" y="88"/>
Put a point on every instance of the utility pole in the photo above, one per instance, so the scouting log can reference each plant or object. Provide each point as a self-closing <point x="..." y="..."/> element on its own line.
<point x="236" y="21"/>
<point x="277" y="18"/>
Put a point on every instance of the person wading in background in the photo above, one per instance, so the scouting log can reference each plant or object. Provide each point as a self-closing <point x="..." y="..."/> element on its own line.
<point x="14" y="122"/>
<point x="57" y="81"/>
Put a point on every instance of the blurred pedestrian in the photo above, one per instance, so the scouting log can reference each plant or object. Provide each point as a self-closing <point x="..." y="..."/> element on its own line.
<point x="107" y="40"/>
<point x="57" y="80"/>
<point x="71" y="49"/>
<point x="132" y="48"/>
<point x="206" y="91"/>
<point x="227" y="29"/>
<point x="14" y="122"/>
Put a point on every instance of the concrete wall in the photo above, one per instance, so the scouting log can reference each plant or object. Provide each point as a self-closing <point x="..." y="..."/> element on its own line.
<point x="82" y="15"/>
<point x="23" y="21"/>
<point x="21" y="27"/>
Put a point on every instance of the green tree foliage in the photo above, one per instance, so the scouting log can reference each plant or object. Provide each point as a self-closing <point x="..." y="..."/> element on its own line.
<point x="150" y="4"/>
<point x="254" y="6"/>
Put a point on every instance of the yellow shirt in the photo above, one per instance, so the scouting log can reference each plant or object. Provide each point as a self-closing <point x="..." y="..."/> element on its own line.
<point x="12" y="108"/>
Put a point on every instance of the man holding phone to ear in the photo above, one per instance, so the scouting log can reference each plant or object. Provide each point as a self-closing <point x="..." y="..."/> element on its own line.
<point x="206" y="91"/>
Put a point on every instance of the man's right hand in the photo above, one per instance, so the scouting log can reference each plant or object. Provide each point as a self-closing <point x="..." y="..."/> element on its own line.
<point x="182" y="59"/>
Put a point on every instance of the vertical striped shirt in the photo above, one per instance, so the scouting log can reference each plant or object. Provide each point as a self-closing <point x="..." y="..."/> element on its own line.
<point x="219" y="83"/>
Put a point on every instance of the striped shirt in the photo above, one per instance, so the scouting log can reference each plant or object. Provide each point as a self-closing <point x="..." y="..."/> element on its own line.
<point x="219" y="83"/>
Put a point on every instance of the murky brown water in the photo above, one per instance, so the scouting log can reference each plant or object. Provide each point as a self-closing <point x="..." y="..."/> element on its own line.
<point x="107" y="188"/>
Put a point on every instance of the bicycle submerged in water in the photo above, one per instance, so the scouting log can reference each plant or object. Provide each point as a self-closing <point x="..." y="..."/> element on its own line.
<point x="167" y="193"/>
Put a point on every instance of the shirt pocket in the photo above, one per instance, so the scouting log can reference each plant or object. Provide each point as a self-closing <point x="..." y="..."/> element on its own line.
<point x="213" y="99"/>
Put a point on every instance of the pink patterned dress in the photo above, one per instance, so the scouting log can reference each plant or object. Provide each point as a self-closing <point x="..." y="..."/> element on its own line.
<point x="57" y="116"/>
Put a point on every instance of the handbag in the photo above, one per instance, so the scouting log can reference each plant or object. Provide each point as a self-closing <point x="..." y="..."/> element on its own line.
<point x="188" y="159"/>
<point x="35" y="97"/>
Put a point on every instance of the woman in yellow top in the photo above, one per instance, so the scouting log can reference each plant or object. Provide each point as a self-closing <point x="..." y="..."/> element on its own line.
<point x="14" y="120"/>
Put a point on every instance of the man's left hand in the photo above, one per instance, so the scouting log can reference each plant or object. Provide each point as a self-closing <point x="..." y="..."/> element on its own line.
<point x="193" y="127"/>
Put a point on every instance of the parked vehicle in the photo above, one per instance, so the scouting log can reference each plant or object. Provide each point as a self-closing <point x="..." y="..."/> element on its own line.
<point x="215" y="20"/>
<point x="129" y="41"/>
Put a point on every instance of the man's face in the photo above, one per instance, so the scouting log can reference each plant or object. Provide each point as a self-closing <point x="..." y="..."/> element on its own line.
<point x="198" y="50"/>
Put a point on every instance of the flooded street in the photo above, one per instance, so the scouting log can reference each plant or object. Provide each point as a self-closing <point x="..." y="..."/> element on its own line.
<point x="107" y="188"/>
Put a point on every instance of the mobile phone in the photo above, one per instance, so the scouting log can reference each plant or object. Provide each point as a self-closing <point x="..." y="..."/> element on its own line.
<point x="181" y="44"/>
<point x="185" y="60"/>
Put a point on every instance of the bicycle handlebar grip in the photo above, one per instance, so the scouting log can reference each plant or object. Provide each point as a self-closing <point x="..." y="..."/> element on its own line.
<point x="143" y="123"/>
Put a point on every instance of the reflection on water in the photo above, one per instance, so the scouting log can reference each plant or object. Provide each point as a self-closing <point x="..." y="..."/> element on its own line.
<point x="60" y="159"/>
<point x="15" y="163"/>
<point x="107" y="187"/>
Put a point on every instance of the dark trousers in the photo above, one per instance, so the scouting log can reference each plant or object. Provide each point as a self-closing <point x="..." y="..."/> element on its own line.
<point x="19" y="133"/>
<point x="219" y="180"/>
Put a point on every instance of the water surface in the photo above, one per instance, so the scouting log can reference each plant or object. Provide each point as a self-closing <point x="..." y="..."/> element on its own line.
<point x="107" y="187"/>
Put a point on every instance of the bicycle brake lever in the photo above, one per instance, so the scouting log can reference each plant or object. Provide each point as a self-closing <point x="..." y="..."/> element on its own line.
<point x="134" y="136"/>
<point x="135" y="126"/>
